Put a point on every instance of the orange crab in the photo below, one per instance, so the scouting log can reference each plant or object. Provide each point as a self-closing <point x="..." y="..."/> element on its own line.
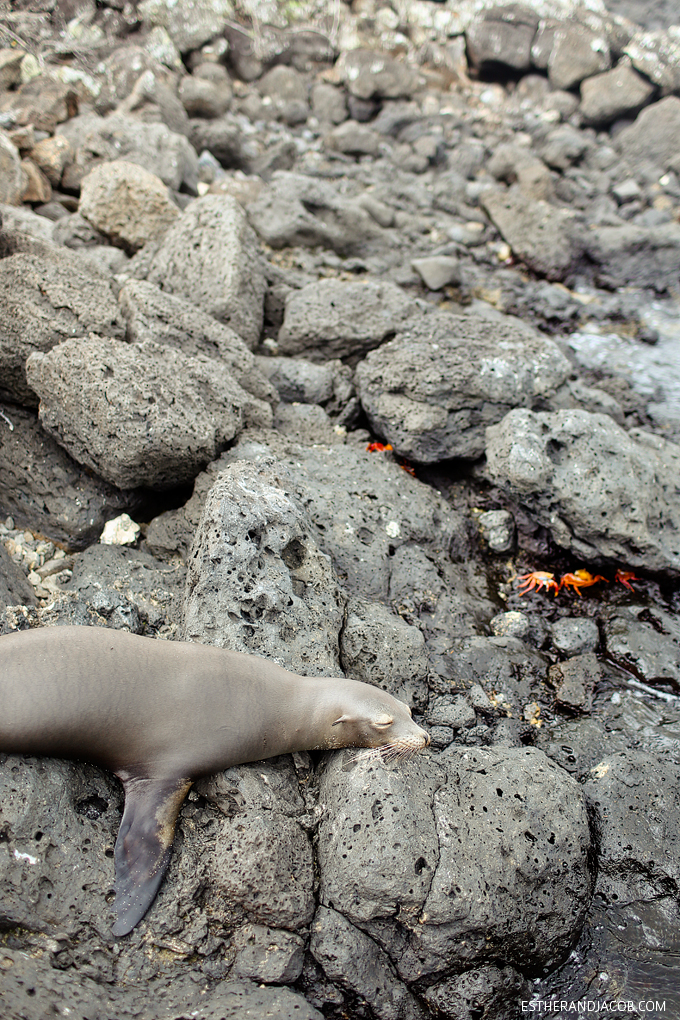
<point x="408" y="468"/>
<point x="580" y="579"/>
<point x="378" y="447"/>
<point x="625" y="577"/>
<point x="538" y="579"/>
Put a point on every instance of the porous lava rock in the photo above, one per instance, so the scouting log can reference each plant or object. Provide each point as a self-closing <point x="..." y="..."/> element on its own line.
<point x="628" y="512"/>
<point x="432" y="390"/>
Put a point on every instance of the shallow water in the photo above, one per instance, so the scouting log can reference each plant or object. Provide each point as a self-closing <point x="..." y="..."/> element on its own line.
<point x="653" y="370"/>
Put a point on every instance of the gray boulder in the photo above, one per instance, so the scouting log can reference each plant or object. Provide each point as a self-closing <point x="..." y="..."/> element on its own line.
<point x="369" y="74"/>
<point x="465" y="885"/>
<point x="46" y="298"/>
<point x="13" y="179"/>
<point x="152" y="314"/>
<point x="639" y="848"/>
<point x="502" y="35"/>
<point x="655" y="135"/>
<point x="334" y="319"/>
<point x="577" y="52"/>
<point x="432" y="390"/>
<point x="616" y="93"/>
<point x="380" y="648"/>
<point x="645" y="642"/>
<point x="355" y="962"/>
<point x="261" y="868"/>
<point x="300" y="210"/>
<point x="138" y="414"/>
<point x="628" y="509"/>
<point x="544" y="236"/>
<point x="209" y="256"/>
<point x="43" y="489"/>
<point x="153" y="146"/>
<point x="257" y="580"/>
<point x="297" y="379"/>
<point x="635" y="256"/>
<point x="127" y="203"/>
<point x="15" y="590"/>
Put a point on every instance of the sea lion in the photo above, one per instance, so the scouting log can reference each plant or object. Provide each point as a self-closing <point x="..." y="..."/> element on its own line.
<point x="159" y="714"/>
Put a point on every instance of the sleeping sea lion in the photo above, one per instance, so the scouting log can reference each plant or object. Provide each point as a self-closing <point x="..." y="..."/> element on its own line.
<point x="159" y="714"/>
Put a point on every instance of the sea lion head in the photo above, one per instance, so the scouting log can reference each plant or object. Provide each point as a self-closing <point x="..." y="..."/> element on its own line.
<point x="374" y="719"/>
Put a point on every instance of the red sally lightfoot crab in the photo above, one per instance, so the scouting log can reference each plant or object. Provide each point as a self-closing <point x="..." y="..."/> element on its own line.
<point x="543" y="579"/>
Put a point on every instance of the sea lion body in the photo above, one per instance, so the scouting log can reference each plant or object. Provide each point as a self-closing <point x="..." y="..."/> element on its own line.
<point x="159" y="714"/>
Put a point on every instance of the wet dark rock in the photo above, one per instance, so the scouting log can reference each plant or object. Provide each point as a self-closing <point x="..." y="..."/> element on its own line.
<point x="574" y="680"/>
<point x="634" y="797"/>
<point x="93" y="390"/>
<point x="432" y="390"/>
<point x="644" y="641"/>
<point x="575" y="635"/>
<point x="334" y="319"/>
<point x="47" y="298"/>
<point x="355" y="962"/>
<point x="494" y="990"/>
<point x="42" y="488"/>
<point x="532" y="457"/>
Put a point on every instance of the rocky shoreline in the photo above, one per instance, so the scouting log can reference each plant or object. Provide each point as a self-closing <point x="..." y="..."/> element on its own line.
<point x="321" y="327"/>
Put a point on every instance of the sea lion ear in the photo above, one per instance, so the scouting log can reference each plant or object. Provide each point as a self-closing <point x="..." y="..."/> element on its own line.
<point x="341" y="719"/>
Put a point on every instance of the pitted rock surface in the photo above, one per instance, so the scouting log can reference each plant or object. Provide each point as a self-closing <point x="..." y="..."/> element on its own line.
<point x="46" y="298"/>
<point x="257" y="581"/>
<point x="209" y="257"/>
<point x="506" y="804"/>
<point x="41" y="486"/>
<point x="332" y="319"/>
<point x="167" y="420"/>
<point x="627" y="512"/>
<point x="153" y="314"/>
<point x="432" y="390"/>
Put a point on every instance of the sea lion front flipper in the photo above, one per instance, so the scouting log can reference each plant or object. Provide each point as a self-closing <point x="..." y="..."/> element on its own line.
<point x="143" y="846"/>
